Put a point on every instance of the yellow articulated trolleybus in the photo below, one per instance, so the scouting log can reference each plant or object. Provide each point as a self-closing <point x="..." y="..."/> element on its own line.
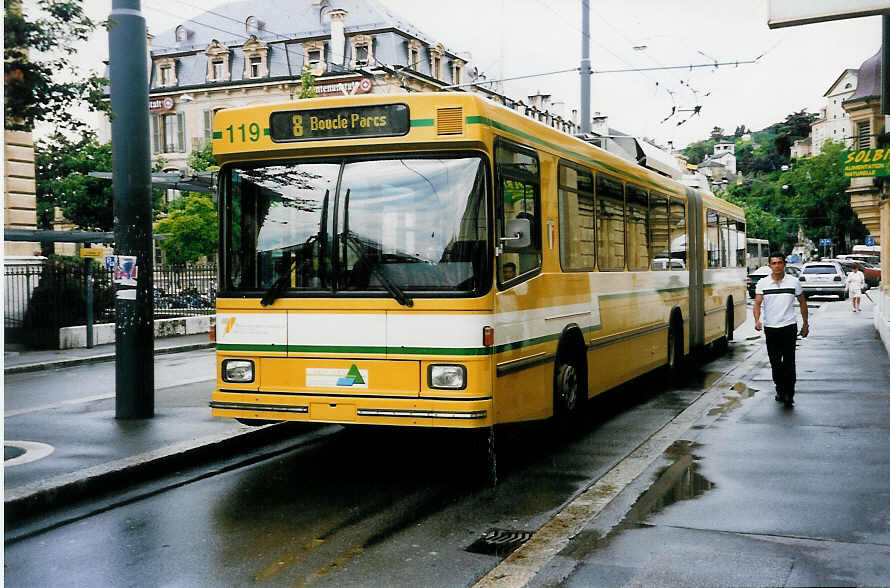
<point x="438" y="260"/>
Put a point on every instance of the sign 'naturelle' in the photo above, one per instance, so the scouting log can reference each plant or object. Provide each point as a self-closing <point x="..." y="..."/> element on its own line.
<point x="867" y="163"/>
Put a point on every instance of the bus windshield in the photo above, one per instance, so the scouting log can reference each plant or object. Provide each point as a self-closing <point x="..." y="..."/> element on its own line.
<point x="395" y="226"/>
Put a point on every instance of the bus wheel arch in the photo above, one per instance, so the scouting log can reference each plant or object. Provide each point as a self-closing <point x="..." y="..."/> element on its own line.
<point x="570" y="381"/>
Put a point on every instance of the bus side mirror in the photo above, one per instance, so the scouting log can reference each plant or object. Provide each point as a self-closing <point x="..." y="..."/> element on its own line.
<point x="519" y="234"/>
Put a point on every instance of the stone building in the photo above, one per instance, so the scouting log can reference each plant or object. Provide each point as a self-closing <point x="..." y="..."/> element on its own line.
<point x="247" y="53"/>
<point x="870" y="197"/>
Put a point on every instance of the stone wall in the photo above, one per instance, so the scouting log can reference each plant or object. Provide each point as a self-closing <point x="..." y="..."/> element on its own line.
<point x="19" y="190"/>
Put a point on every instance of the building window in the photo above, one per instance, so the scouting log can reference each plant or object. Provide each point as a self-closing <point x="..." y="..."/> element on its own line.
<point x="253" y="25"/>
<point x="456" y="67"/>
<point x="314" y="55"/>
<point x="217" y="62"/>
<point x="255" y="65"/>
<point x="255" y="58"/>
<point x="863" y="134"/>
<point x="361" y="55"/>
<point x="436" y="54"/>
<point x="413" y="53"/>
<point x="362" y="50"/>
<point x="166" y="76"/>
<point x="168" y="133"/>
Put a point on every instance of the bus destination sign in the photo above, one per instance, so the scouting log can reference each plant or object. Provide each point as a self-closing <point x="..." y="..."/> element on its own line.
<point x="348" y="122"/>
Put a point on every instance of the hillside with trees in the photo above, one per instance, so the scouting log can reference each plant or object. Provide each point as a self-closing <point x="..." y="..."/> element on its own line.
<point x="781" y="195"/>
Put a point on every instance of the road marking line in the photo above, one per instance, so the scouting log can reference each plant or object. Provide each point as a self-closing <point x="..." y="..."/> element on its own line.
<point x="521" y="566"/>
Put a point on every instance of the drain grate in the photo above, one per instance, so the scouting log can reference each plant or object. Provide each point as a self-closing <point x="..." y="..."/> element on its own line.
<point x="499" y="542"/>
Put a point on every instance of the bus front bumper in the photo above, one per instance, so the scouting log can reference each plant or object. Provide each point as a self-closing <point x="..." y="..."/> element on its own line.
<point x="392" y="411"/>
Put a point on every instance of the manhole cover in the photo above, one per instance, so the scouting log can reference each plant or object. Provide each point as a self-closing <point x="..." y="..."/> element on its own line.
<point x="499" y="542"/>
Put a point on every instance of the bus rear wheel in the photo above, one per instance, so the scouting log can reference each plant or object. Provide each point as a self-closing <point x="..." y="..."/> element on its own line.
<point x="675" y="363"/>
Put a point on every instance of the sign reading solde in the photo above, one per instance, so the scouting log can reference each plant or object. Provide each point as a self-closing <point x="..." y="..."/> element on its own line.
<point x="863" y="163"/>
<point x="348" y="122"/>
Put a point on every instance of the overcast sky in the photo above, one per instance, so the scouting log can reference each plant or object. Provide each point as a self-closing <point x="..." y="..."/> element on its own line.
<point x="509" y="38"/>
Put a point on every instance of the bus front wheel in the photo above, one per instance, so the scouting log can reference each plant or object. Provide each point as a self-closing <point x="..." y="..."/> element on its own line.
<point x="569" y="396"/>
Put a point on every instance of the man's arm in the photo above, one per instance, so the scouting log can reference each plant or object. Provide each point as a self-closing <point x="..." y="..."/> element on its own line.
<point x="758" y="300"/>
<point x="804" y="314"/>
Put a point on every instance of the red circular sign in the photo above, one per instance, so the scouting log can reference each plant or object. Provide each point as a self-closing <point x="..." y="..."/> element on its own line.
<point x="364" y="86"/>
<point x="168" y="103"/>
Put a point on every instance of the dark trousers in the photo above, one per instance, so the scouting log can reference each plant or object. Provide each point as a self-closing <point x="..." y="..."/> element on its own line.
<point x="780" y="347"/>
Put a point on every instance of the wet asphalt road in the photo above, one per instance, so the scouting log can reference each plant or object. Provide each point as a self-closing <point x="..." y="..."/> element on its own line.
<point x="400" y="507"/>
<point x="396" y="508"/>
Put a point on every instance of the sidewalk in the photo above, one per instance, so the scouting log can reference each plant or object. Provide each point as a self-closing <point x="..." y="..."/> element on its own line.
<point x="753" y="493"/>
<point x="59" y="452"/>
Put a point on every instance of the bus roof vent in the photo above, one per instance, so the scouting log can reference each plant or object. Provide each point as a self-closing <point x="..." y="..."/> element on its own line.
<point x="449" y="121"/>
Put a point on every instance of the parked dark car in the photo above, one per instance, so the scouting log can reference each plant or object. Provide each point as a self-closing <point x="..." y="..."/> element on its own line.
<point x="762" y="272"/>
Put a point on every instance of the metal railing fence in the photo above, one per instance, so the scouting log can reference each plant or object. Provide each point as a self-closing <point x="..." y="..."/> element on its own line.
<point x="42" y="296"/>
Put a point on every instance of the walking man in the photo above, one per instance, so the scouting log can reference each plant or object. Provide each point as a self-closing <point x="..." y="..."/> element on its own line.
<point x="774" y="301"/>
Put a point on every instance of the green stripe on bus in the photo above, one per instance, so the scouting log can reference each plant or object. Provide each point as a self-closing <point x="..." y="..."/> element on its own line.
<point x="483" y="120"/>
<point x="217" y="134"/>
<point x="422" y="122"/>
<point x="249" y="347"/>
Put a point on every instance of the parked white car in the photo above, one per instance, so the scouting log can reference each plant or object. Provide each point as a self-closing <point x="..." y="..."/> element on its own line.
<point x="823" y="278"/>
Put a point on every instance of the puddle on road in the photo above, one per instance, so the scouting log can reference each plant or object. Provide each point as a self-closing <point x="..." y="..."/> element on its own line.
<point x="738" y="392"/>
<point x="674" y="483"/>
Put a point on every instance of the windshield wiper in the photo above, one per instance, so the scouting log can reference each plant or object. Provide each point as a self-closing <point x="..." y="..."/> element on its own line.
<point x="278" y="287"/>
<point x="362" y="251"/>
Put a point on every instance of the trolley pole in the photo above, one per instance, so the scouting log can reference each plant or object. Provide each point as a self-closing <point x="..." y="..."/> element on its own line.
<point x="585" y="66"/>
<point x="131" y="182"/>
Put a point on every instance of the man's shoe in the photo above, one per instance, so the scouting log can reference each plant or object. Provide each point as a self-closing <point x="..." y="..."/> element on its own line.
<point x="779" y="398"/>
<point x="789" y="401"/>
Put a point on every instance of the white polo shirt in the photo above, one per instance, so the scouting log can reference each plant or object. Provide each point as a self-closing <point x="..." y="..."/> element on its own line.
<point x="777" y="308"/>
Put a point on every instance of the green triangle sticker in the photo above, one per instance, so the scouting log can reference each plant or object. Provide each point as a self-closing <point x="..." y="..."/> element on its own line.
<point x="355" y="375"/>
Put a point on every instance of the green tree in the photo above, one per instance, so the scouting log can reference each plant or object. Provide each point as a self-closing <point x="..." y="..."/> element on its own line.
<point x="33" y="90"/>
<point x="696" y="152"/>
<point x="62" y="167"/>
<point x="307" y="83"/>
<point x="203" y="160"/>
<point x="192" y="228"/>
<point x="818" y="199"/>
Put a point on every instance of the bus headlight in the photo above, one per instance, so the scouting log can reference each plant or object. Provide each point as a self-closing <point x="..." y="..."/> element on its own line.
<point x="448" y="377"/>
<point x="237" y="370"/>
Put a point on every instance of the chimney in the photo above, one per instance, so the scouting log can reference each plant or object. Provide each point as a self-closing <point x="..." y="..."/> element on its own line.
<point x="539" y="101"/>
<point x="599" y="124"/>
<point x="338" y="36"/>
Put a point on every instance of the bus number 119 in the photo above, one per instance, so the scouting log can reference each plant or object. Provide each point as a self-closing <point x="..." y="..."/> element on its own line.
<point x="253" y="131"/>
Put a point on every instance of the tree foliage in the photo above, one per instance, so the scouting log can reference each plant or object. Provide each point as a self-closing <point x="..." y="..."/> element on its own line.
<point x="819" y="201"/>
<point x="34" y="90"/>
<point x="203" y="160"/>
<point x="62" y="166"/>
<point x="192" y="226"/>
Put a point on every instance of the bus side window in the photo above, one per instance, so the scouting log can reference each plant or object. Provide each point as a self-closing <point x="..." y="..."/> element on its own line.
<point x="678" y="232"/>
<point x="740" y="244"/>
<point x="576" y="218"/>
<point x="712" y="239"/>
<point x="637" y="228"/>
<point x="610" y="223"/>
<point x="519" y="198"/>
<point x="659" y="231"/>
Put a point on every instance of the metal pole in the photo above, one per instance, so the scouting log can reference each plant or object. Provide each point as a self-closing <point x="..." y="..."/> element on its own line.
<point x="131" y="180"/>
<point x="585" y="66"/>
<point x="88" y="267"/>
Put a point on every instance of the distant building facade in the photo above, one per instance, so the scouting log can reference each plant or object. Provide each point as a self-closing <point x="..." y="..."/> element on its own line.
<point x="834" y="122"/>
